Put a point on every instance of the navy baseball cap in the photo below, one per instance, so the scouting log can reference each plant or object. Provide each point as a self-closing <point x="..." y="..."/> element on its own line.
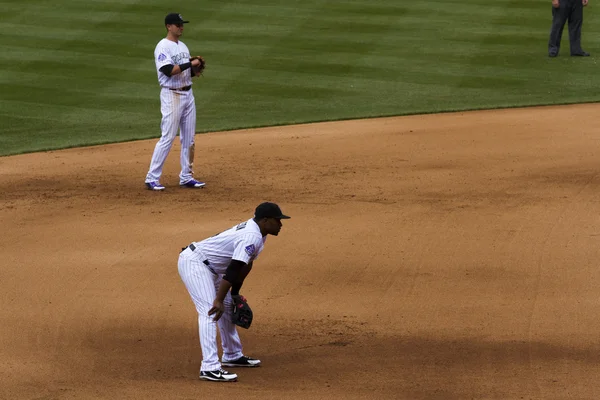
<point x="174" y="18"/>
<point x="269" y="210"/>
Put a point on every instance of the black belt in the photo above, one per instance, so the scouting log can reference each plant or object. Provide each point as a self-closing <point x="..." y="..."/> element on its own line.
<point x="193" y="248"/>
<point x="185" y="88"/>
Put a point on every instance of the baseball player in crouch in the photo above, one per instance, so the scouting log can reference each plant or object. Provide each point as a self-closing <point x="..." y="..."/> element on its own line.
<point x="213" y="272"/>
<point x="175" y="69"/>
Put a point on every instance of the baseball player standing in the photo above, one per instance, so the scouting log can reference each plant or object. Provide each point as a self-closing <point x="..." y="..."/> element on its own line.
<point x="177" y="104"/>
<point x="213" y="272"/>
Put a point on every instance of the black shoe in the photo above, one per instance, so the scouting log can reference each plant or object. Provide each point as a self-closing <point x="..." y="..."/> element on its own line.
<point x="243" y="361"/>
<point x="218" y="375"/>
<point x="581" y="54"/>
<point x="552" y="54"/>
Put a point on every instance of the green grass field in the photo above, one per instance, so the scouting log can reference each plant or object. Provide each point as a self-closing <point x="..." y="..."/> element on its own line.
<point x="74" y="73"/>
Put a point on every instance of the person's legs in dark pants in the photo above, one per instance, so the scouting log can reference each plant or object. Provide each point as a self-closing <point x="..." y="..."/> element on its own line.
<point x="575" y="22"/>
<point x="559" y="18"/>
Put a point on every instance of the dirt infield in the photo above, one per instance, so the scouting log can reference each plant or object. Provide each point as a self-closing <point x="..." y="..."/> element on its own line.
<point x="450" y="256"/>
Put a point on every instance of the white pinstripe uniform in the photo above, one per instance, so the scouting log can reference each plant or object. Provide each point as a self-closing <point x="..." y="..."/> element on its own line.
<point x="178" y="110"/>
<point x="202" y="270"/>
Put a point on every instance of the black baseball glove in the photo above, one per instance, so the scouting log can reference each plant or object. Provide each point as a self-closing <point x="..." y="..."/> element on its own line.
<point x="242" y="313"/>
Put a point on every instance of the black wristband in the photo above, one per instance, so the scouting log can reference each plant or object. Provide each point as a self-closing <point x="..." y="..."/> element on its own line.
<point x="185" y="66"/>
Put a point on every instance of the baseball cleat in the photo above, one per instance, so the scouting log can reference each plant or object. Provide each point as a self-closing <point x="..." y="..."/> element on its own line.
<point x="243" y="361"/>
<point x="218" y="375"/>
<point x="154" y="186"/>
<point x="193" y="184"/>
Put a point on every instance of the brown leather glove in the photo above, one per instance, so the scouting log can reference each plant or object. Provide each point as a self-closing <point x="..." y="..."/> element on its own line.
<point x="198" y="69"/>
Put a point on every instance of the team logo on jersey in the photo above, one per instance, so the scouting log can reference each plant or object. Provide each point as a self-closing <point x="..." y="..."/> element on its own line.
<point x="162" y="57"/>
<point x="178" y="58"/>
<point x="250" y="250"/>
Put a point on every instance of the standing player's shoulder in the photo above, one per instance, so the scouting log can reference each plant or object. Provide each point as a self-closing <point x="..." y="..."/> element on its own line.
<point x="162" y="46"/>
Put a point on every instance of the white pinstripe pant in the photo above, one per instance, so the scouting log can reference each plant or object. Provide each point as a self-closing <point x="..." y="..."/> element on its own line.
<point x="178" y="110"/>
<point x="202" y="285"/>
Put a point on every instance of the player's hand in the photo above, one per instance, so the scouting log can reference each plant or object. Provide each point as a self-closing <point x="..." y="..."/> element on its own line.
<point x="237" y="297"/>
<point x="217" y="309"/>
<point x="196" y="62"/>
<point x="584" y="2"/>
<point x="556" y="3"/>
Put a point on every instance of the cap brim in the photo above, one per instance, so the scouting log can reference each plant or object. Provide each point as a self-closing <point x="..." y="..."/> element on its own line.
<point x="283" y="217"/>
